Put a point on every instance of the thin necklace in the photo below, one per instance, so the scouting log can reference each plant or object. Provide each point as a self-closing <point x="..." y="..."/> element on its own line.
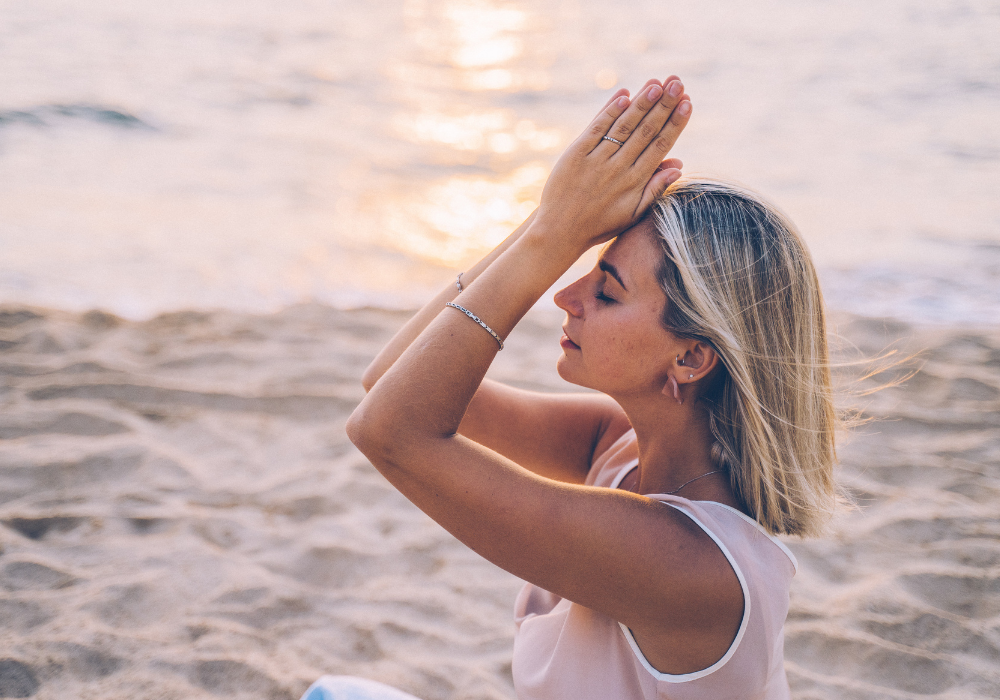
<point x="671" y="493"/>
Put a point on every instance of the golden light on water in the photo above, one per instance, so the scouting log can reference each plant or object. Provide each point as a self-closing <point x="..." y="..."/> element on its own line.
<point x="463" y="217"/>
<point x="468" y="132"/>
<point x="454" y="220"/>
<point x="483" y="33"/>
<point x="492" y="130"/>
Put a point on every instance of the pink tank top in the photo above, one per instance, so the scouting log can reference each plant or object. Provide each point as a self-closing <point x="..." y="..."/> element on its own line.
<point x="564" y="650"/>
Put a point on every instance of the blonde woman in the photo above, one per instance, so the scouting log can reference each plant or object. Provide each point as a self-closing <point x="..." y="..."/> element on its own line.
<point x="643" y="516"/>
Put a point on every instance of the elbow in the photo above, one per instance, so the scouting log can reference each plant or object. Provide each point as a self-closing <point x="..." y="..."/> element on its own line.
<point x="372" y="431"/>
<point x="360" y="429"/>
<point x="374" y="437"/>
<point x="382" y="434"/>
<point x="369" y="378"/>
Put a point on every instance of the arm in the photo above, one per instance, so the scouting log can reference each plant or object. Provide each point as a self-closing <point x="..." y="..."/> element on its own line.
<point x="409" y="332"/>
<point x="556" y="436"/>
<point x="612" y="551"/>
<point x="553" y="435"/>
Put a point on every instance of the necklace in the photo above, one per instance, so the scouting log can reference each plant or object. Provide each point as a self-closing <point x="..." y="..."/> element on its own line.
<point x="671" y="493"/>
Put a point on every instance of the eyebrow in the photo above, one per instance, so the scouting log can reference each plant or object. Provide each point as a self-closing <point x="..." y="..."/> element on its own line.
<point x="613" y="271"/>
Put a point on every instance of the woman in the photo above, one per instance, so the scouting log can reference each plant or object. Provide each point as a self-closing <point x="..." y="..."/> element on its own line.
<point x="642" y="516"/>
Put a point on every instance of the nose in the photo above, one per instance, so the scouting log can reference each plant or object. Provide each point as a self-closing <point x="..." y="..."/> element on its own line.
<point x="569" y="299"/>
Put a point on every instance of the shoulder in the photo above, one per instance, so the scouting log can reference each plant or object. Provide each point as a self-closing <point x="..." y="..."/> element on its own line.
<point x="615" y="449"/>
<point x="616" y="427"/>
<point x="703" y="609"/>
<point x="744" y="532"/>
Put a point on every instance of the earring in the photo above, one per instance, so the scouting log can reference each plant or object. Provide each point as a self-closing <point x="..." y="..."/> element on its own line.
<point x="690" y="376"/>
<point x="680" y="361"/>
<point x="677" y="391"/>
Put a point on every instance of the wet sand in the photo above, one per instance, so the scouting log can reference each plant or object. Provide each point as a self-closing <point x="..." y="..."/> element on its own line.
<point x="183" y="517"/>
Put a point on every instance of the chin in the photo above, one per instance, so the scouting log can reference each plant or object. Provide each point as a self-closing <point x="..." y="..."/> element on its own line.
<point x="564" y="366"/>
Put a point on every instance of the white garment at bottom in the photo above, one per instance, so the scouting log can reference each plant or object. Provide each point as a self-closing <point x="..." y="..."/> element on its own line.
<point x="353" y="688"/>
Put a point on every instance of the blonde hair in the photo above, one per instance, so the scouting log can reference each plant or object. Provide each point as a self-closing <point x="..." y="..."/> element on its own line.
<point x="738" y="276"/>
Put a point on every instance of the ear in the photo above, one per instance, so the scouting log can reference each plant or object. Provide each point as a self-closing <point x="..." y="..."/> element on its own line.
<point x="697" y="362"/>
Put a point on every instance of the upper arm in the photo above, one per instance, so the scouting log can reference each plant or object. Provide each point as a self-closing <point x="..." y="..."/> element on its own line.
<point x="636" y="560"/>
<point x="555" y="435"/>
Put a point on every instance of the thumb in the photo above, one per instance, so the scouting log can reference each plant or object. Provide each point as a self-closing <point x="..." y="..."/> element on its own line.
<point x="661" y="180"/>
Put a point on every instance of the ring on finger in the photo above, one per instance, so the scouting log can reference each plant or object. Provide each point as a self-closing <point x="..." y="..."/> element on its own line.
<point x="620" y="143"/>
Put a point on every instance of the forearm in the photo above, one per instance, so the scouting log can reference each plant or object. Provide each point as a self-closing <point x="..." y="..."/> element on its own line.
<point x="425" y="394"/>
<point x="413" y="328"/>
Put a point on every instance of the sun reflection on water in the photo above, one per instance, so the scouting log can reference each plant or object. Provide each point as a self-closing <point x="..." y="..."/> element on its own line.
<point x="463" y="48"/>
<point x="454" y="221"/>
<point x="491" y="130"/>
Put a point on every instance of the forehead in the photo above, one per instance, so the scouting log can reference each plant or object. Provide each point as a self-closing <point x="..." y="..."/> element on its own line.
<point x="636" y="255"/>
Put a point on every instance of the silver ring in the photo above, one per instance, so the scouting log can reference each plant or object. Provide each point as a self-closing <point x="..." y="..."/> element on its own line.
<point x="620" y="143"/>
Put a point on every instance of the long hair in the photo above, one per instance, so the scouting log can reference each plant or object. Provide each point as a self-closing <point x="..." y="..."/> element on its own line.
<point x="738" y="276"/>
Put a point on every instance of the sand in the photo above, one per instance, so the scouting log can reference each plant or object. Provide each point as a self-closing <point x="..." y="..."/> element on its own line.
<point x="183" y="517"/>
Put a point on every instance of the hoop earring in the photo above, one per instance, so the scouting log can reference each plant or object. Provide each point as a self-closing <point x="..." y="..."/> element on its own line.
<point x="680" y="361"/>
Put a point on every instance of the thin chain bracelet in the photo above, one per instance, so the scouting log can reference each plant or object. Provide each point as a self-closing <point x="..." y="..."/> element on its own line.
<point x="477" y="320"/>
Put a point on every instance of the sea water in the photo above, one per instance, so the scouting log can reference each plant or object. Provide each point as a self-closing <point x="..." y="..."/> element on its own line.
<point x="250" y="154"/>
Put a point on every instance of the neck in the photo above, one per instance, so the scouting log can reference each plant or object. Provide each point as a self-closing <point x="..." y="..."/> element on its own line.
<point x="675" y="444"/>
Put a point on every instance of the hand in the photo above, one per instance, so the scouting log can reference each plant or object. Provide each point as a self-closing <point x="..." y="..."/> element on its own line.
<point x="598" y="188"/>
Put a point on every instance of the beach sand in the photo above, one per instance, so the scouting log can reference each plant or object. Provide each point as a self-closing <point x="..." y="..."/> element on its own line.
<point x="183" y="517"/>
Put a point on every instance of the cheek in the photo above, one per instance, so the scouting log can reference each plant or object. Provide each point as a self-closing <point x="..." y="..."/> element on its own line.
<point x="629" y="355"/>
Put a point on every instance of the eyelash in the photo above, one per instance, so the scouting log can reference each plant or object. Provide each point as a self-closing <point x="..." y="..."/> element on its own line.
<point x="604" y="298"/>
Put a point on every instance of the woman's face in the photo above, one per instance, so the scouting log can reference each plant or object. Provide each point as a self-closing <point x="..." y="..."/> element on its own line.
<point x="614" y="340"/>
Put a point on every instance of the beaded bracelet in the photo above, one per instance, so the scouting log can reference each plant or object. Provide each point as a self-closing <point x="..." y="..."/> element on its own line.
<point x="477" y="320"/>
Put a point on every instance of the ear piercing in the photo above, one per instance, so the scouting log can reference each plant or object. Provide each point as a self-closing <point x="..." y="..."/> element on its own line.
<point x="680" y="361"/>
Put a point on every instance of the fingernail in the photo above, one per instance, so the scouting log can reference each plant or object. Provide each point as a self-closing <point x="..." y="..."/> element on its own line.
<point x="654" y="92"/>
<point x="675" y="88"/>
<point x="673" y="177"/>
<point x="684" y="109"/>
<point x="622" y="102"/>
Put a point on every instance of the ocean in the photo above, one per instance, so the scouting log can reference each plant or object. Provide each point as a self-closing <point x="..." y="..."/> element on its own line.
<point x="251" y="155"/>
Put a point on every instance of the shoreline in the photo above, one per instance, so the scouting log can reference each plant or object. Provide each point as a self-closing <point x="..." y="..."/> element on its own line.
<point x="181" y="516"/>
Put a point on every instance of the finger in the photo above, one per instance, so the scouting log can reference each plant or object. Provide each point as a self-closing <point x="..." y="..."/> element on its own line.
<point x="660" y="146"/>
<point x="656" y="187"/>
<point x="630" y="118"/>
<point x="592" y="136"/>
<point x="671" y="163"/>
<point x="622" y="92"/>
<point x="653" y="121"/>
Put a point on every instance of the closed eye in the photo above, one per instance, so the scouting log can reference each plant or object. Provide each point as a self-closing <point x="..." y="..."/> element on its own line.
<point x="604" y="298"/>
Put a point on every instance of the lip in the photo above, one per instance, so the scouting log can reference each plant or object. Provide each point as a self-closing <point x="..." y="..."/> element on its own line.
<point x="567" y="344"/>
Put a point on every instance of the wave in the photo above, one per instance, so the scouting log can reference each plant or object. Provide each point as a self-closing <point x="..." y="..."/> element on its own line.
<point x="53" y="115"/>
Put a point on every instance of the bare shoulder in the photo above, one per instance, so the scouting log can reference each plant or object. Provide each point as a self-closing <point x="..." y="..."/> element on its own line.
<point x="699" y="622"/>
<point x="615" y="426"/>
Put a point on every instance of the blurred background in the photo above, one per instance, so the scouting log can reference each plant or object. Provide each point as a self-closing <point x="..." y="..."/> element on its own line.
<point x="250" y="155"/>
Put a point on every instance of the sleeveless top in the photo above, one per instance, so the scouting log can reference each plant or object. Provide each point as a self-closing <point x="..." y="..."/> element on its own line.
<point x="564" y="650"/>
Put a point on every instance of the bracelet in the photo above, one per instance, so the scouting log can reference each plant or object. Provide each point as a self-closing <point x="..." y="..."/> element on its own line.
<point x="458" y="281"/>
<point x="477" y="320"/>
